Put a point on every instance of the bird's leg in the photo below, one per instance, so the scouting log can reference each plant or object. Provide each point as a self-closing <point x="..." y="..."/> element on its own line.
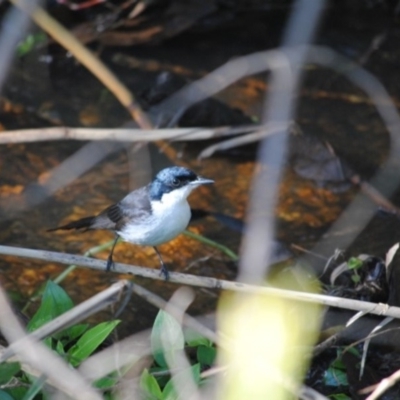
<point x="110" y="261"/>
<point x="164" y="270"/>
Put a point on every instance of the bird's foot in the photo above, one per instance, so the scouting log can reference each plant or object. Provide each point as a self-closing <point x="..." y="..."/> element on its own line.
<point x="110" y="263"/>
<point x="164" y="271"/>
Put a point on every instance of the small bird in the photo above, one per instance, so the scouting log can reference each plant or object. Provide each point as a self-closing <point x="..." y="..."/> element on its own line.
<point x="148" y="216"/>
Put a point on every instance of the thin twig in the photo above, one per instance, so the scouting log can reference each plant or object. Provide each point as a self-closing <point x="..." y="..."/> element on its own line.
<point x="384" y="385"/>
<point x="208" y="282"/>
<point x="118" y="134"/>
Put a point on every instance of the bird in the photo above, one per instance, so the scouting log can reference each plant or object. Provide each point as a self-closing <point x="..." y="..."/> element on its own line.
<point x="148" y="216"/>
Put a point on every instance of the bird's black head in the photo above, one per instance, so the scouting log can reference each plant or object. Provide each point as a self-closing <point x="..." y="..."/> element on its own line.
<point x="175" y="179"/>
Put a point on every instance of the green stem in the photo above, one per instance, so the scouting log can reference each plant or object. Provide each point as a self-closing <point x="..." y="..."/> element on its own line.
<point x="212" y="243"/>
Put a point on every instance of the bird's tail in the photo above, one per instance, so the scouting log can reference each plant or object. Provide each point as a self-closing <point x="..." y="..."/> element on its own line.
<point x="84" y="223"/>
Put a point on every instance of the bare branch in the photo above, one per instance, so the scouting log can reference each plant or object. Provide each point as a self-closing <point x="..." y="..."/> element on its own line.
<point x="207" y="282"/>
<point x="119" y="134"/>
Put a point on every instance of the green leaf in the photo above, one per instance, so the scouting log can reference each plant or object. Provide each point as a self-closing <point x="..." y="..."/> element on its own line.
<point x="30" y="42"/>
<point x="162" y="373"/>
<point x="354" y="263"/>
<point x="60" y="348"/>
<point x="150" y="386"/>
<point x="16" y="393"/>
<point x="194" y="339"/>
<point x="166" y="330"/>
<point x="335" y="377"/>
<point x="169" y="392"/>
<point x="5" y="396"/>
<point x="77" y="330"/>
<point x="90" y="341"/>
<point x="48" y="342"/>
<point x="339" y="396"/>
<point x="196" y="372"/>
<point x="206" y="355"/>
<point x="105" y="383"/>
<point x="55" y="302"/>
<point x="200" y="341"/>
<point x="338" y="363"/>
<point x="354" y="351"/>
<point x="7" y="371"/>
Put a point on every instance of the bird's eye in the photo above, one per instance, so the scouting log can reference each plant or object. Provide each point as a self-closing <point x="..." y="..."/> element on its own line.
<point x="175" y="182"/>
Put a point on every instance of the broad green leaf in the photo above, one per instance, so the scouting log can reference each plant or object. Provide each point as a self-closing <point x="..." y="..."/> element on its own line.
<point x="335" y="377"/>
<point x="90" y="341"/>
<point x="16" y="393"/>
<point x="150" y="386"/>
<point x="55" y="302"/>
<point x="166" y="330"/>
<point x="354" y="263"/>
<point x="206" y="355"/>
<point x="194" y="339"/>
<point x="162" y="374"/>
<point x="170" y="393"/>
<point x="355" y="351"/>
<point x="338" y="363"/>
<point x="48" y="342"/>
<point x="77" y="330"/>
<point x="105" y="383"/>
<point x="5" y="396"/>
<point x="7" y="371"/>
<point x="196" y="372"/>
<point x="60" y="348"/>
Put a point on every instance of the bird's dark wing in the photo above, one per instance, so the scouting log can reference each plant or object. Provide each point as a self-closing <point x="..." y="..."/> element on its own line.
<point x="132" y="208"/>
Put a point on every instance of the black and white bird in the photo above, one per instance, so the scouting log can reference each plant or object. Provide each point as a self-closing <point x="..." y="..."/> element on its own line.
<point x="148" y="216"/>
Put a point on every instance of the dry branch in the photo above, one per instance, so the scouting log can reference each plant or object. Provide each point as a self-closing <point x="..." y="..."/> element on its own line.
<point x="207" y="282"/>
<point x="118" y="134"/>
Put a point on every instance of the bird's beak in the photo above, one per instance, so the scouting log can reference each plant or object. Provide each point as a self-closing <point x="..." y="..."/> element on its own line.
<point x="201" y="181"/>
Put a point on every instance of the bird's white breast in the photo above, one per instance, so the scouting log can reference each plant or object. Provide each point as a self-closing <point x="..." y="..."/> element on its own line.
<point x="169" y="217"/>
